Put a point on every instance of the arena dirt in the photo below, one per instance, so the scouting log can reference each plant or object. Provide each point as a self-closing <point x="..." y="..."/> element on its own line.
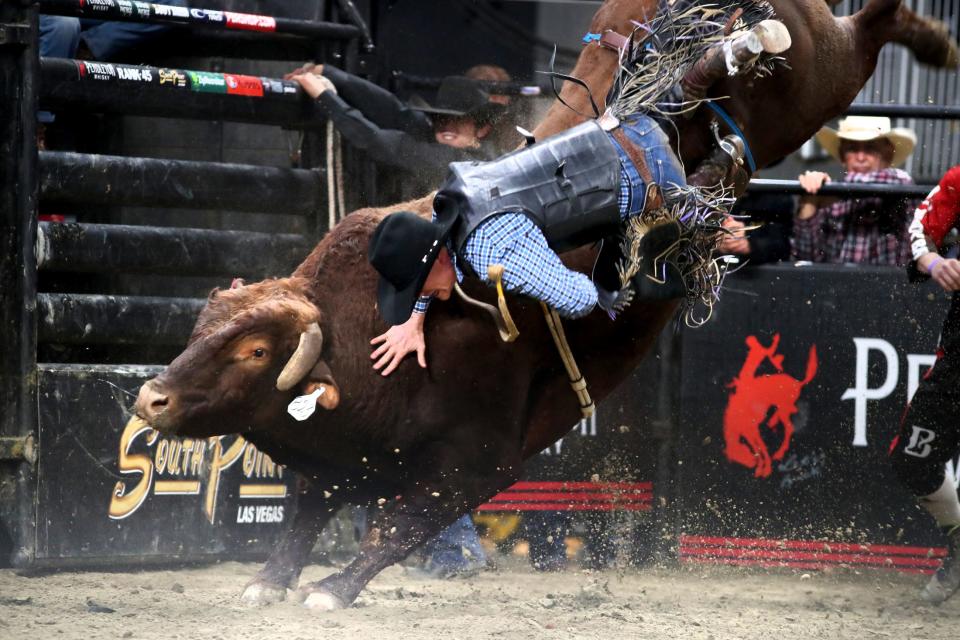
<point x="510" y="602"/>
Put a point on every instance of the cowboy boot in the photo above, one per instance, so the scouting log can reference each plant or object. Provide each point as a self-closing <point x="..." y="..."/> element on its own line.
<point x="945" y="582"/>
<point x="659" y="278"/>
<point x="724" y="165"/>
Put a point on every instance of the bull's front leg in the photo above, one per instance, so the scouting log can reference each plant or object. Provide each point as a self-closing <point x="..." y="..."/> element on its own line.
<point x="422" y="511"/>
<point x="283" y="567"/>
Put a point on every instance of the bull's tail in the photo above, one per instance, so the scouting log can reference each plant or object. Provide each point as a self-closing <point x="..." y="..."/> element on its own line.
<point x="927" y="38"/>
<point x="811" y="366"/>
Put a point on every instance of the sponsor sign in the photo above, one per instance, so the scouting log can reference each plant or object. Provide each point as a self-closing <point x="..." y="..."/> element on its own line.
<point x="172" y="77"/>
<point x="243" y="85"/>
<point x="271" y="85"/>
<point x="790" y="398"/>
<point x="756" y="401"/>
<point x="250" y="22"/>
<point x="131" y="8"/>
<point x="99" y="5"/>
<point x="169" y="11"/>
<point x="207" y="15"/>
<point x="110" y="487"/>
<point x="103" y="71"/>
<point x="135" y="74"/>
<point x="206" y="82"/>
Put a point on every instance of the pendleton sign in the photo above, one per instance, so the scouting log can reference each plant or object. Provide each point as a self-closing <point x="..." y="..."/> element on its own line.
<point x="111" y="488"/>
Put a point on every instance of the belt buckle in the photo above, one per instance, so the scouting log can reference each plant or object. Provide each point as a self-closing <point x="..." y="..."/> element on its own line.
<point x="608" y="121"/>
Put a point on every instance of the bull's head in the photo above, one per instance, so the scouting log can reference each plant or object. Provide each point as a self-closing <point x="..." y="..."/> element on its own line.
<point x="253" y="350"/>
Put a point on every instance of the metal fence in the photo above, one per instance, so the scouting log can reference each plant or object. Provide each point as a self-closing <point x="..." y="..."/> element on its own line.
<point x="900" y="79"/>
<point x="54" y="392"/>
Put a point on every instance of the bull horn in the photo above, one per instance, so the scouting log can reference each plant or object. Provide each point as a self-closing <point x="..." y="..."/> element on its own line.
<point x="303" y="359"/>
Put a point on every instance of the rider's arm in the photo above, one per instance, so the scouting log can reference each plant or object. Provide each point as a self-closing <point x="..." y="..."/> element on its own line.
<point x="531" y="268"/>
<point x="379" y="105"/>
<point x="422" y="304"/>
<point x="387" y="146"/>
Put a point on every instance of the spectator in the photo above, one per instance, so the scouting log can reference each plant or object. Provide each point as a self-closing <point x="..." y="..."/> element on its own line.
<point x="930" y="431"/>
<point x="857" y="230"/>
<point x="760" y="225"/>
<point x="503" y="135"/>
<point x="61" y="36"/>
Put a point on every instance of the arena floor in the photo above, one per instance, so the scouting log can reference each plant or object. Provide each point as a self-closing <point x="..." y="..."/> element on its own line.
<point x="510" y="602"/>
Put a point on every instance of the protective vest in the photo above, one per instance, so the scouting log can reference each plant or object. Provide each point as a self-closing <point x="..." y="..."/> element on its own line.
<point x="567" y="185"/>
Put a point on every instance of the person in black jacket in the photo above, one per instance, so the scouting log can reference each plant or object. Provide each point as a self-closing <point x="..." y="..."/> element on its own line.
<point x="760" y="226"/>
<point x="419" y="138"/>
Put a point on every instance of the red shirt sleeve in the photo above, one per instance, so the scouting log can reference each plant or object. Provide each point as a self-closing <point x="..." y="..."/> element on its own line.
<point x="937" y="214"/>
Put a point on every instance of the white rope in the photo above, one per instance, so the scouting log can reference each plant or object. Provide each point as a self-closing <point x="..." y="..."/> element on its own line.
<point x="331" y="185"/>
<point x="341" y="209"/>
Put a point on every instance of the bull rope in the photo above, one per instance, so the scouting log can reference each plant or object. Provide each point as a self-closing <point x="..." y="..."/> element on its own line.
<point x="577" y="382"/>
<point x="508" y="333"/>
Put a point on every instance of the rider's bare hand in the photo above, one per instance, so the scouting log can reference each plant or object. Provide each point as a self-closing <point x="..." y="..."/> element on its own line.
<point x="397" y="342"/>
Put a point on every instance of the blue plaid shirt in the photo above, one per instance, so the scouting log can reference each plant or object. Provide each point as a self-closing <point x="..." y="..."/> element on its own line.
<point x="530" y="266"/>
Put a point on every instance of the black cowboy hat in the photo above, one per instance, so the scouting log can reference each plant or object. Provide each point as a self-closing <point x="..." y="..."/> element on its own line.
<point x="457" y="96"/>
<point x="403" y="249"/>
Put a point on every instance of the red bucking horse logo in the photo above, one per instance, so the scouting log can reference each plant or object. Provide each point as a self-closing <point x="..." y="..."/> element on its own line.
<point x="765" y="400"/>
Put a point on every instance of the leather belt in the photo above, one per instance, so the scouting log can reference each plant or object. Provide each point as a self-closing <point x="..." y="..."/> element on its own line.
<point x="653" y="200"/>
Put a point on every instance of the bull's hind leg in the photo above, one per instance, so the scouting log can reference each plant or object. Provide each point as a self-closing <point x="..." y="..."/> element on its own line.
<point x="283" y="567"/>
<point x="429" y="504"/>
<point x="893" y="21"/>
<point x="929" y="39"/>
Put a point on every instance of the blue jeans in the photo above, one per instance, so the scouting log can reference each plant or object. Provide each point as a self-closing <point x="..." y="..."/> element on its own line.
<point x="60" y="36"/>
<point x="456" y="547"/>
<point x="665" y="169"/>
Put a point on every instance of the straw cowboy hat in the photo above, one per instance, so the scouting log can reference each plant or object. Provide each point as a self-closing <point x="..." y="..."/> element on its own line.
<point x="865" y="129"/>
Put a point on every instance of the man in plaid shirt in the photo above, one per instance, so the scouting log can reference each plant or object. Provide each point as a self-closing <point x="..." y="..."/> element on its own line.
<point x="505" y="212"/>
<point x="858" y="230"/>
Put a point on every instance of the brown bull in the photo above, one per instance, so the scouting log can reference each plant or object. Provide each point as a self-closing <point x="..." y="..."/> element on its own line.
<point x="429" y="445"/>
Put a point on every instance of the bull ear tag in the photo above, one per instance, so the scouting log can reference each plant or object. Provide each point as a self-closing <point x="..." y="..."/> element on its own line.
<point x="302" y="407"/>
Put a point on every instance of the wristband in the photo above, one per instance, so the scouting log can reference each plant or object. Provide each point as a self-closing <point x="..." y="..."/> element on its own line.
<point x="933" y="265"/>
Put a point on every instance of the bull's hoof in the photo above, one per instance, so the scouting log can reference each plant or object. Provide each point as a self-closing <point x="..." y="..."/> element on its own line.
<point x="322" y="601"/>
<point x="261" y="593"/>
